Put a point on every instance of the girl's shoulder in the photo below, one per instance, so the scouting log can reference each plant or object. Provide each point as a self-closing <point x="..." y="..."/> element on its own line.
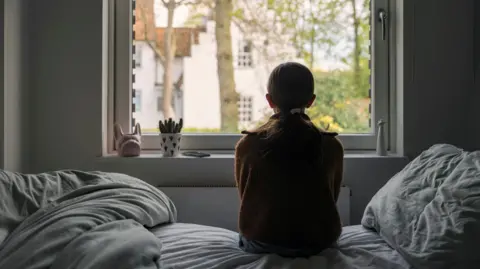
<point x="247" y="139"/>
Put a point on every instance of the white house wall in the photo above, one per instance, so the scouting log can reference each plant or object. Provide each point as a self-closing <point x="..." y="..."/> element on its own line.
<point x="201" y="95"/>
<point x="145" y="77"/>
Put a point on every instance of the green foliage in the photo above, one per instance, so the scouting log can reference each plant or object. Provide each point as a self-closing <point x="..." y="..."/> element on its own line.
<point x="338" y="105"/>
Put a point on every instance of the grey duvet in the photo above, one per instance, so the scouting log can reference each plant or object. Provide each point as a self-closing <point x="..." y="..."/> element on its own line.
<point x="430" y="211"/>
<point x="72" y="219"/>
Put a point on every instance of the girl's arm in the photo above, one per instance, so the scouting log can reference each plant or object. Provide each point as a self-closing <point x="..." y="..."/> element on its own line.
<point x="239" y="166"/>
<point x="338" y="161"/>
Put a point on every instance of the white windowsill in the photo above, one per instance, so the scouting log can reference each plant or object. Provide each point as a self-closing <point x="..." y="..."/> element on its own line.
<point x="149" y="154"/>
<point x="217" y="170"/>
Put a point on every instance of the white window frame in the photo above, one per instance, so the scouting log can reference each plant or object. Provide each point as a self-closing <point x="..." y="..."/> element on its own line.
<point x="381" y="99"/>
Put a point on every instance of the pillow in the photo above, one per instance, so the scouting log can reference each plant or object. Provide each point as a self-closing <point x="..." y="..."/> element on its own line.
<point x="430" y="211"/>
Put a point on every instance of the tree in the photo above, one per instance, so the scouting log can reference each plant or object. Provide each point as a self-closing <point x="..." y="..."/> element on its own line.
<point x="165" y="56"/>
<point x="226" y="79"/>
<point x="324" y="25"/>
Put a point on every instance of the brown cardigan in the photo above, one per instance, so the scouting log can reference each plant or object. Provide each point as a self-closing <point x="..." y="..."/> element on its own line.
<point x="291" y="212"/>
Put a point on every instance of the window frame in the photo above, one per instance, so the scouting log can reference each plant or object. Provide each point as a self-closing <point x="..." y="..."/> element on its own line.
<point x="382" y="63"/>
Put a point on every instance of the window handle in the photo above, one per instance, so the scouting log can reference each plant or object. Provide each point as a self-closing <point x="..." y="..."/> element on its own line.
<point x="382" y="18"/>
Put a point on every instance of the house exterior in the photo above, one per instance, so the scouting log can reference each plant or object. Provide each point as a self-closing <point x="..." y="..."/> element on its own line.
<point x="196" y="94"/>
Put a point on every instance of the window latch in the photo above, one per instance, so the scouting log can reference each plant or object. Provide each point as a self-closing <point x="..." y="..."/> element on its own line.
<point x="382" y="18"/>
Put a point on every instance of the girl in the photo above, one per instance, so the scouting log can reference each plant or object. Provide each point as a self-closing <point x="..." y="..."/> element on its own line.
<point x="288" y="174"/>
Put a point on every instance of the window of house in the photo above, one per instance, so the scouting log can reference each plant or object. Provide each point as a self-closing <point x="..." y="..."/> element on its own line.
<point x="245" y="57"/>
<point x="159" y="94"/>
<point x="159" y="103"/>
<point x="137" y="101"/>
<point x="350" y="63"/>
<point x="158" y="73"/>
<point x="245" y="109"/>
<point x="137" y="55"/>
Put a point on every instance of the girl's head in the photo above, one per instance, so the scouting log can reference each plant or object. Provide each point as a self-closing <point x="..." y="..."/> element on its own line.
<point x="290" y="86"/>
<point x="291" y="138"/>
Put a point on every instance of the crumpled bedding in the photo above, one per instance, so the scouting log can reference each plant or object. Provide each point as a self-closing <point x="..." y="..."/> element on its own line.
<point x="81" y="220"/>
<point x="192" y="246"/>
<point x="430" y="211"/>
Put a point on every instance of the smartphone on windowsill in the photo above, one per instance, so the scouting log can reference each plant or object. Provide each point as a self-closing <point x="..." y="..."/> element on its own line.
<point x="196" y="154"/>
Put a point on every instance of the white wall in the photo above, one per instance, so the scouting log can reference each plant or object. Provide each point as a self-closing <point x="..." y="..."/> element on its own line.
<point x="436" y="99"/>
<point x="201" y="81"/>
<point x="14" y="79"/>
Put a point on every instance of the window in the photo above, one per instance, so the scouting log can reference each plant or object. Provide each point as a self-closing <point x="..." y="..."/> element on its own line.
<point x="346" y="47"/>
<point x="137" y="56"/>
<point x="159" y="103"/>
<point x="244" y="57"/>
<point x="245" y="110"/>
<point x="137" y="101"/>
<point x="158" y="73"/>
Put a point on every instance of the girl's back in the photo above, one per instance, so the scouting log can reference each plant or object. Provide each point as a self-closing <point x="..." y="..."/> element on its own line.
<point x="289" y="203"/>
<point x="289" y="173"/>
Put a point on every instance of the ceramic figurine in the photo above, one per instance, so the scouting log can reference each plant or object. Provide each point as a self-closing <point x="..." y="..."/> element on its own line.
<point x="128" y="145"/>
<point x="381" y="144"/>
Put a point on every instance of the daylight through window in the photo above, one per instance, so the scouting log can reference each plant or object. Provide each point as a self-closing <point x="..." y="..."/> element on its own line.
<point x="215" y="77"/>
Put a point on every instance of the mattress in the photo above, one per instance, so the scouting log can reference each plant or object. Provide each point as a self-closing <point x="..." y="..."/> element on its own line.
<point x="200" y="247"/>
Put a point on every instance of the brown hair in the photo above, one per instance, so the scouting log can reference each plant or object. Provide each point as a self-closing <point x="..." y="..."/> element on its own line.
<point x="291" y="136"/>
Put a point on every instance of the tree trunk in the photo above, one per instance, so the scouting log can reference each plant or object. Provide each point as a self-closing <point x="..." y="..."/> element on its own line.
<point x="357" y="46"/>
<point x="226" y="79"/>
<point x="169" y="51"/>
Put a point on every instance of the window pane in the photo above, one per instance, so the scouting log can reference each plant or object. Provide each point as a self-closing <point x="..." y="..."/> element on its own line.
<point x="178" y="75"/>
<point x="137" y="102"/>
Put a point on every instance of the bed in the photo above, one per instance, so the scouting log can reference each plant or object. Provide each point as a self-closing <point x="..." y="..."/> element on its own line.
<point x="201" y="247"/>
<point x="426" y="216"/>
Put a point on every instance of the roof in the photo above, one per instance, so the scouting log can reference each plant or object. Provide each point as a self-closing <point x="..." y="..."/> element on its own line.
<point x="144" y="29"/>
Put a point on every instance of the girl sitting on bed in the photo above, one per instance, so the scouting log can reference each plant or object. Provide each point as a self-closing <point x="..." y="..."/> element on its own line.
<point x="288" y="174"/>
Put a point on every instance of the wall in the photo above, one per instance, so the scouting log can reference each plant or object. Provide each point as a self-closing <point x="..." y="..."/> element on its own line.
<point x="475" y="101"/>
<point x="14" y="101"/>
<point x="435" y="74"/>
<point x="2" y="83"/>
<point x="438" y="77"/>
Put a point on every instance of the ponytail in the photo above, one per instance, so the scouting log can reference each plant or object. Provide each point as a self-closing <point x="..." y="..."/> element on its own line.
<point x="291" y="137"/>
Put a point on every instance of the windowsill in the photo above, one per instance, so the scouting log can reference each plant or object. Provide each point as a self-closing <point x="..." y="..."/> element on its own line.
<point x="217" y="170"/>
<point x="149" y="154"/>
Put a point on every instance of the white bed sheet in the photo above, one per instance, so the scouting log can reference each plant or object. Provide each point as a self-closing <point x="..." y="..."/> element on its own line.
<point x="200" y="247"/>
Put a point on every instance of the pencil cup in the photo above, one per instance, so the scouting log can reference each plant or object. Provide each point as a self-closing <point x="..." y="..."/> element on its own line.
<point x="170" y="144"/>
